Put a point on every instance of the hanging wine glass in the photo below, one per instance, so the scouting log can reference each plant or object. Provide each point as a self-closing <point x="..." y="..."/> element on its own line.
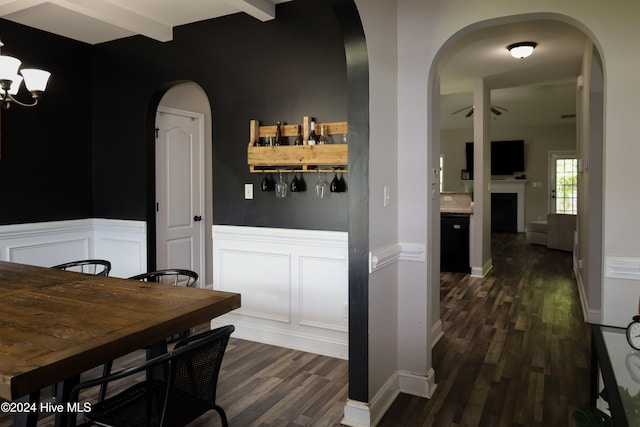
<point x="321" y="186"/>
<point x="334" y="187"/>
<point x="281" y="188"/>
<point x="267" y="183"/>
<point x="295" y="184"/>
<point x="342" y="183"/>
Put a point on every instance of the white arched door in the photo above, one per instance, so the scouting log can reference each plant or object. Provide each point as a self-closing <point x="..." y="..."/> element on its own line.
<point x="180" y="190"/>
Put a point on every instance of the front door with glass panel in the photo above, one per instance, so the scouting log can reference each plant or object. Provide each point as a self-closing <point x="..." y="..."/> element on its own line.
<point x="564" y="182"/>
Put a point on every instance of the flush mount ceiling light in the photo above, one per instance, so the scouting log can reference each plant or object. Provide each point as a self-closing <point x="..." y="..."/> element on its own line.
<point x="11" y="77"/>
<point x="522" y="49"/>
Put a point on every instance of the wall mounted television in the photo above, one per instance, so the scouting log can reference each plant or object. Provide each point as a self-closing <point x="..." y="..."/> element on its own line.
<point x="507" y="157"/>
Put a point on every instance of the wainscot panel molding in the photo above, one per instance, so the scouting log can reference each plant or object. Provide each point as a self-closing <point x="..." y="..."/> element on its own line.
<point x="623" y="281"/>
<point x="294" y="286"/>
<point x="123" y="242"/>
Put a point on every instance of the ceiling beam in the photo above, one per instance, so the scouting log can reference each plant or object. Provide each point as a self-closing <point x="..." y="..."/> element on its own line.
<point x="120" y="17"/>
<point x="263" y="10"/>
<point x="11" y="6"/>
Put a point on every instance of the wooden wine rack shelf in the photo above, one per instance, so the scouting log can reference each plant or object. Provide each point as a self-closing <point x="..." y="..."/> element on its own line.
<point x="303" y="158"/>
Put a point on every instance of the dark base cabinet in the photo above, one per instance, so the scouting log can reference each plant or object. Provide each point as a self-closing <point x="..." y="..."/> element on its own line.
<point x="454" y="243"/>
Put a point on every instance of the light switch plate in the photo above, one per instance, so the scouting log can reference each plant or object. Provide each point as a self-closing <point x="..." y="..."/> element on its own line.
<point x="387" y="197"/>
<point x="248" y="191"/>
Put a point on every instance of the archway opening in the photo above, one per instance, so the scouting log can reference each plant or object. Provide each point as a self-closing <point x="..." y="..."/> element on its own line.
<point x="185" y="97"/>
<point x="550" y="103"/>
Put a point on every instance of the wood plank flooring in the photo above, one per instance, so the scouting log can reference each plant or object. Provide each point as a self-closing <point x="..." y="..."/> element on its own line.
<point x="515" y="350"/>
<point x="514" y="353"/>
<point x="259" y="385"/>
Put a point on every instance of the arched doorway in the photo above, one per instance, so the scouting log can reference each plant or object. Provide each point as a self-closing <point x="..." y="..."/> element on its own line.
<point x="191" y="97"/>
<point x="575" y="85"/>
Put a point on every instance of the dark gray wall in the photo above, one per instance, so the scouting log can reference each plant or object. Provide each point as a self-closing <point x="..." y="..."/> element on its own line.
<point x="278" y="70"/>
<point x="46" y="150"/>
<point x="88" y="149"/>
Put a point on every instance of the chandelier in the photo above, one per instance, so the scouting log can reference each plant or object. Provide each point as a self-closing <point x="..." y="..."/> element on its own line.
<point x="11" y="77"/>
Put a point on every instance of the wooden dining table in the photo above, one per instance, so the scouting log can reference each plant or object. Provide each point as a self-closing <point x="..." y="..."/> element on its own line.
<point x="56" y="324"/>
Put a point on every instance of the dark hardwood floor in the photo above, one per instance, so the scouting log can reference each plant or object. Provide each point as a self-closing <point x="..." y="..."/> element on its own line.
<point x="514" y="353"/>
<point x="515" y="350"/>
<point x="259" y="385"/>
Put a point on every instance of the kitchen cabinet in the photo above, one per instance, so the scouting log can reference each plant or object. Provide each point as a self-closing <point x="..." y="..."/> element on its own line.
<point x="454" y="243"/>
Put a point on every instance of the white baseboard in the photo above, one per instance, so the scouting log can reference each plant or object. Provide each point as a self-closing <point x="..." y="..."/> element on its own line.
<point x="589" y="315"/>
<point x="338" y="348"/>
<point x="384" y="398"/>
<point x="482" y="271"/>
<point x="356" y="414"/>
<point x="436" y="333"/>
<point x="581" y="291"/>
<point x="362" y="414"/>
<point x="594" y="316"/>
<point x="418" y="385"/>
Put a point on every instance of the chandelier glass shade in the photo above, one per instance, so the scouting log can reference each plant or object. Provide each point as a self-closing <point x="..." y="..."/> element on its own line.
<point x="11" y="78"/>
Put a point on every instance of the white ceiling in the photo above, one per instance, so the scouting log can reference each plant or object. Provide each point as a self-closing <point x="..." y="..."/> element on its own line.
<point x="97" y="21"/>
<point x="538" y="89"/>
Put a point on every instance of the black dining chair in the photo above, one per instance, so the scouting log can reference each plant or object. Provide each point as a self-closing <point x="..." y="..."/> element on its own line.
<point x="99" y="267"/>
<point x="175" y="276"/>
<point x="187" y="392"/>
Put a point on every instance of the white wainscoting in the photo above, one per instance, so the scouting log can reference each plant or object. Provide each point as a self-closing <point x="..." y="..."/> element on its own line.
<point x="293" y="283"/>
<point x="123" y="242"/>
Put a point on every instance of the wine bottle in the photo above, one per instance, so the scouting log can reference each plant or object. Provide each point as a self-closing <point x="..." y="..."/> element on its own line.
<point x="323" y="136"/>
<point x="313" y="137"/>
<point x="278" y="140"/>
<point x="299" y="139"/>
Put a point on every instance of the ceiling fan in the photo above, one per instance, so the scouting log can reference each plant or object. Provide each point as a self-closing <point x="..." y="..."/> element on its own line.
<point x="495" y="109"/>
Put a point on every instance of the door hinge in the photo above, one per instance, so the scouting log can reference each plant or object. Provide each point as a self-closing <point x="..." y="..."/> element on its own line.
<point x="157" y="130"/>
<point x="157" y="207"/>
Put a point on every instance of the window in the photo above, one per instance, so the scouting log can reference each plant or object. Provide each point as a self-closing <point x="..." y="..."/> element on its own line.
<point x="564" y="191"/>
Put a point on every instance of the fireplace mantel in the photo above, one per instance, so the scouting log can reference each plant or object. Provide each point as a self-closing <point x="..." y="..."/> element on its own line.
<point x="516" y="186"/>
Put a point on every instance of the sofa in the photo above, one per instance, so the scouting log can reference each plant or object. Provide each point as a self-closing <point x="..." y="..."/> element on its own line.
<point x="557" y="232"/>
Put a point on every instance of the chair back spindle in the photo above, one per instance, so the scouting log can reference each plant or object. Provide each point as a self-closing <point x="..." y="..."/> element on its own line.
<point x="98" y="267"/>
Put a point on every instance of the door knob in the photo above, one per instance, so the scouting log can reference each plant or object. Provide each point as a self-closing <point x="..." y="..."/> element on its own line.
<point x="197" y="218"/>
